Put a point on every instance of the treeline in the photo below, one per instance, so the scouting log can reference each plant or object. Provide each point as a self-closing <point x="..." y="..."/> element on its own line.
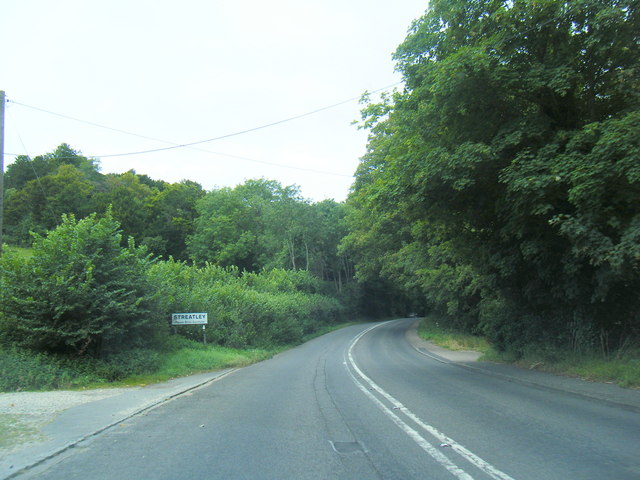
<point x="39" y="190"/>
<point x="109" y="257"/>
<point x="254" y="226"/>
<point x="501" y="188"/>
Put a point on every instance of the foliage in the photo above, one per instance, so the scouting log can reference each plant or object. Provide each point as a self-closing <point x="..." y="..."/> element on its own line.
<point x="245" y="309"/>
<point x="81" y="291"/>
<point x="39" y="205"/>
<point x="174" y="210"/>
<point x="254" y="226"/>
<point x="229" y="225"/>
<point x="262" y="225"/>
<point x="621" y="368"/>
<point x="123" y="364"/>
<point x="501" y="187"/>
<point x="24" y="370"/>
<point x="24" y="170"/>
<point x="39" y="190"/>
<point x="130" y="201"/>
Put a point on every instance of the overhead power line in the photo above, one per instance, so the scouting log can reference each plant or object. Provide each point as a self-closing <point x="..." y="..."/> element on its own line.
<point x="198" y="142"/>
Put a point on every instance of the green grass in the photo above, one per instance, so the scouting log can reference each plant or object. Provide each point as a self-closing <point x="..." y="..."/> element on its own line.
<point x="198" y="359"/>
<point x="189" y="361"/>
<point x="621" y="368"/>
<point x="26" y="371"/>
<point x="432" y="329"/>
<point x="625" y="371"/>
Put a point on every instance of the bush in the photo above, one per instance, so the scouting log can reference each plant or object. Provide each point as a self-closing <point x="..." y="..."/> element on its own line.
<point x="24" y="370"/>
<point x="127" y="363"/>
<point x="80" y="292"/>
<point x="270" y="308"/>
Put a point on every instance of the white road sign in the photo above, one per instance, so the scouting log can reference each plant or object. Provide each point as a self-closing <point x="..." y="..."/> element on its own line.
<point x="189" y="319"/>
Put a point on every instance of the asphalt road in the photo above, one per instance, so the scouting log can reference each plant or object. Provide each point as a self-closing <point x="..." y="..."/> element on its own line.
<point x="361" y="403"/>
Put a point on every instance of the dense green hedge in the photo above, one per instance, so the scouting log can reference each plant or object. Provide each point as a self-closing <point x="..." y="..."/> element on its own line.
<point x="245" y="309"/>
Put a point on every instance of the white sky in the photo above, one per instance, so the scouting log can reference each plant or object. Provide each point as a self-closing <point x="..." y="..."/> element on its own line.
<point x="188" y="70"/>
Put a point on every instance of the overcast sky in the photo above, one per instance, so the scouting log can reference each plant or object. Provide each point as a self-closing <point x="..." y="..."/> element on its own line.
<point x="183" y="71"/>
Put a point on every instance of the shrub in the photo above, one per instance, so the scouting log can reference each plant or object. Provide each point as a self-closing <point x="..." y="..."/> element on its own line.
<point x="24" y="370"/>
<point x="245" y="309"/>
<point x="127" y="363"/>
<point x="80" y="292"/>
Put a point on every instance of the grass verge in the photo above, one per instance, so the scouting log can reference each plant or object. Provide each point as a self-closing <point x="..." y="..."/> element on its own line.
<point x="190" y="361"/>
<point x="432" y="328"/>
<point x="22" y="370"/>
<point x="621" y="368"/>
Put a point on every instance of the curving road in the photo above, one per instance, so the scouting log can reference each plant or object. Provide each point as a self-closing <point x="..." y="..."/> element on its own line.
<point x="362" y="403"/>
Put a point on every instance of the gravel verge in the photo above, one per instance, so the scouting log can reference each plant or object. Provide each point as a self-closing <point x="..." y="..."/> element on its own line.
<point x="24" y="414"/>
<point x="51" y="402"/>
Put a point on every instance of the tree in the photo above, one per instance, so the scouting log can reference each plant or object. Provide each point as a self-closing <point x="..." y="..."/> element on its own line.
<point x="226" y="230"/>
<point x="24" y="169"/>
<point x="507" y="170"/>
<point x="39" y="191"/>
<point x="39" y="204"/>
<point x="256" y="225"/>
<point x="131" y="202"/>
<point x="174" y="221"/>
<point x="327" y="229"/>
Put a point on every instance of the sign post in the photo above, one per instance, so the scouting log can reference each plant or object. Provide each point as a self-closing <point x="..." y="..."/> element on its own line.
<point x="191" y="319"/>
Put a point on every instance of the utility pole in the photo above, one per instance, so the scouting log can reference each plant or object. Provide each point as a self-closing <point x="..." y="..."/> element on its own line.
<point x="2" y="101"/>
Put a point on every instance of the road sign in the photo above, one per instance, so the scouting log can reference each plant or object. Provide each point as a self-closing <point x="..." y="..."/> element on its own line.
<point x="189" y="319"/>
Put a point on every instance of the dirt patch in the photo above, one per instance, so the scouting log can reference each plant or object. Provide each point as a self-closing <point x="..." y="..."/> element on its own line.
<point x="24" y="414"/>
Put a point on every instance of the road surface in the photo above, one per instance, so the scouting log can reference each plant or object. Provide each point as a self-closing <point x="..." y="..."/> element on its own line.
<point x="362" y="403"/>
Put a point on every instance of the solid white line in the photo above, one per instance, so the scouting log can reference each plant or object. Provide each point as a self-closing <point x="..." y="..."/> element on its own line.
<point x="433" y="357"/>
<point x="415" y="436"/>
<point x="455" y="446"/>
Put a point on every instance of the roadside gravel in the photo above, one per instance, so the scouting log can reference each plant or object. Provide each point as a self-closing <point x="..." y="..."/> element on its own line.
<point x="50" y="403"/>
<point x="24" y="414"/>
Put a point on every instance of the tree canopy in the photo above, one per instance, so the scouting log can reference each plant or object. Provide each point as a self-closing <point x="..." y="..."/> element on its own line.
<point x="40" y="190"/>
<point x="254" y="226"/>
<point x="262" y="225"/>
<point x="501" y="186"/>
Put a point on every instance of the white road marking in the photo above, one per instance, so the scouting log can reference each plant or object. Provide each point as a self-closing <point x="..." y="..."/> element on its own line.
<point x="486" y="467"/>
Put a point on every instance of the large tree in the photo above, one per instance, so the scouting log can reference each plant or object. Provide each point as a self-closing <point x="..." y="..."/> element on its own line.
<point x="509" y="166"/>
<point x="230" y="226"/>
<point x="174" y="219"/>
<point x="39" y="190"/>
